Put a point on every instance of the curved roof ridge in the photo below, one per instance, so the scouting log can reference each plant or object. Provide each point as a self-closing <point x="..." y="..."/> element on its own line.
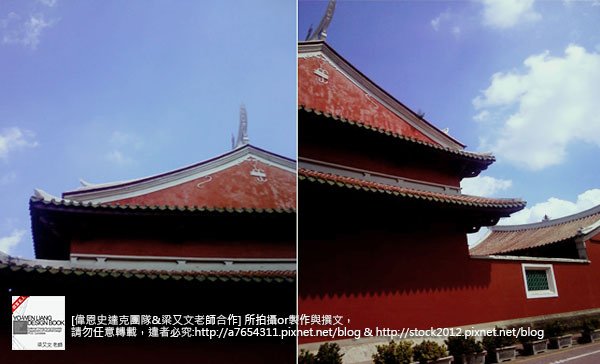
<point x="543" y="224"/>
<point x="112" y="185"/>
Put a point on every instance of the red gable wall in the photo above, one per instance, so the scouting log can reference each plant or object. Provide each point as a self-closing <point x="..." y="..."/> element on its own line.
<point x="339" y="96"/>
<point x="232" y="187"/>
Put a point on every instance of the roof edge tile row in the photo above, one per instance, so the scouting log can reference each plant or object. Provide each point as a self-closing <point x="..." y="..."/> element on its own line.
<point x="552" y="222"/>
<point x="15" y="265"/>
<point x="464" y="200"/>
<point x="57" y="202"/>
<point x="509" y="238"/>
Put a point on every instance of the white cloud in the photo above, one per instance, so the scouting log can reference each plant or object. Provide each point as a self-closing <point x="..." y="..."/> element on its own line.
<point x="591" y="2"/>
<point x="446" y="17"/>
<point x="122" y="145"/>
<point x="9" y="19"/>
<point x="8" y="178"/>
<point x="456" y="31"/>
<point x="27" y="33"/>
<point x="435" y="23"/>
<point x="13" y="139"/>
<point x="484" y="185"/>
<point x="49" y="3"/>
<point x="119" y="138"/>
<point x="504" y="14"/>
<point x="587" y="2"/>
<point x="551" y="105"/>
<point x="473" y="239"/>
<point x="482" y="116"/>
<point x="12" y="240"/>
<point x="117" y="157"/>
<point x="554" y="208"/>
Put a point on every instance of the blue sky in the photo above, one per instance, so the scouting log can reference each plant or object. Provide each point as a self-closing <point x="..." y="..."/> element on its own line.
<point x="520" y="79"/>
<point x="113" y="90"/>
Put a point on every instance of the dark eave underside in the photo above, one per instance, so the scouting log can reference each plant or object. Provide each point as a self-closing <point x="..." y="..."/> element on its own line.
<point x="52" y="221"/>
<point x="485" y="159"/>
<point x="507" y="205"/>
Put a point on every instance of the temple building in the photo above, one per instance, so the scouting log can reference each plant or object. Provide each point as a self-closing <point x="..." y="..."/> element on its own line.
<point x="381" y="209"/>
<point x="383" y="222"/>
<point x="214" y="238"/>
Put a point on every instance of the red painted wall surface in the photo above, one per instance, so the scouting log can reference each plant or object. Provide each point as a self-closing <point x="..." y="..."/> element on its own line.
<point x="438" y="171"/>
<point x="394" y="280"/>
<point x="232" y="187"/>
<point x="199" y="249"/>
<point x="339" y="96"/>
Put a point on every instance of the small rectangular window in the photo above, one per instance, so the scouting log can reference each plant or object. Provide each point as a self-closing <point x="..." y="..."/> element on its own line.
<point x="539" y="280"/>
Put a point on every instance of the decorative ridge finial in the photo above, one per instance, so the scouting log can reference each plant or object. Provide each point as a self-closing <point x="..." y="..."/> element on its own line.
<point x="321" y="32"/>
<point x="242" y="138"/>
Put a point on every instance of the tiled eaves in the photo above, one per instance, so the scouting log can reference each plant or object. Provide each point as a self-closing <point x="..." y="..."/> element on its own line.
<point x="493" y="247"/>
<point x="154" y="208"/>
<point x="402" y="192"/>
<point x="580" y="216"/>
<point x="482" y="157"/>
<point x="200" y="276"/>
<point x="507" y="239"/>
